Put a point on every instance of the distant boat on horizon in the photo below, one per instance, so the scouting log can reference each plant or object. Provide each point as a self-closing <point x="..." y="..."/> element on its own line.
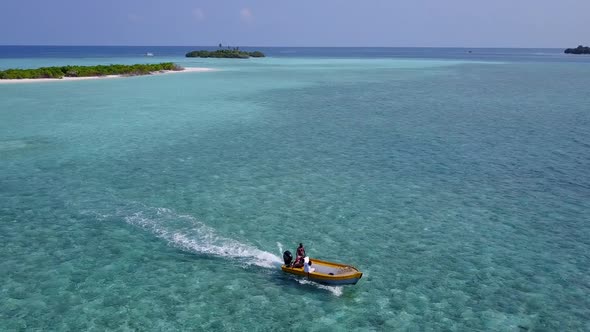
<point x="149" y="54"/>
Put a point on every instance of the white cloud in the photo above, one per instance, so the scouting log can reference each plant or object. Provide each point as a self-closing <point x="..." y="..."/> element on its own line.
<point x="246" y="15"/>
<point x="198" y="14"/>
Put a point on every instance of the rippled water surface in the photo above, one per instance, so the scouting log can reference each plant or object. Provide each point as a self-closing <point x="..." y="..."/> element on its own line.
<point x="460" y="188"/>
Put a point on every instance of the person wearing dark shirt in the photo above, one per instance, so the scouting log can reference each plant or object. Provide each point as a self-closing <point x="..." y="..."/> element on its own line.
<point x="299" y="256"/>
<point x="301" y="250"/>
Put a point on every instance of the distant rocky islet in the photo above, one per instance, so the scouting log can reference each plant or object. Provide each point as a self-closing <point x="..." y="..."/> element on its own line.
<point x="578" y="50"/>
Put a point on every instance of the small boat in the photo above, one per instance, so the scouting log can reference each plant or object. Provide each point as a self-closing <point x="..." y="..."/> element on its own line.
<point x="149" y="54"/>
<point x="327" y="272"/>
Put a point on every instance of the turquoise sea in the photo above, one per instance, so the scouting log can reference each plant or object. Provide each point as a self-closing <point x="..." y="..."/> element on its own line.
<point x="458" y="182"/>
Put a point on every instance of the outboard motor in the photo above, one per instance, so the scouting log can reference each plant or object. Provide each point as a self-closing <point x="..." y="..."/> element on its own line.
<point x="287" y="257"/>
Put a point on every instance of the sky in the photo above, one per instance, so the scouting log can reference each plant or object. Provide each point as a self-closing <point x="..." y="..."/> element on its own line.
<point x="396" y="23"/>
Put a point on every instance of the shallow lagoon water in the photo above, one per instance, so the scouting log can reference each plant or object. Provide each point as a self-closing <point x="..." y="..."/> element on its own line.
<point x="459" y="188"/>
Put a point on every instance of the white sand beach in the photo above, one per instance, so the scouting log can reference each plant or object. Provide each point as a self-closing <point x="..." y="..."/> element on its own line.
<point x="65" y="79"/>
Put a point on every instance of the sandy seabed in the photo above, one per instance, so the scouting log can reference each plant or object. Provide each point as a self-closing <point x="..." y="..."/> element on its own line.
<point x="34" y="80"/>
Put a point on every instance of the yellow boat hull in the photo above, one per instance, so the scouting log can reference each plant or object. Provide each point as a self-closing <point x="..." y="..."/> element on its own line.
<point x="327" y="272"/>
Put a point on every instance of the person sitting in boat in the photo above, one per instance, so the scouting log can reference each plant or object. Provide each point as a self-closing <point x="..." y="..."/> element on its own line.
<point x="298" y="262"/>
<point x="307" y="267"/>
<point x="300" y="254"/>
<point x="300" y="251"/>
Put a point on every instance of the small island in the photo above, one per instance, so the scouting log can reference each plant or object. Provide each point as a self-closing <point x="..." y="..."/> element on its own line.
<point x="88" y="71"/>
<point x="233" y="53"/>
<point x="578" y="50"/>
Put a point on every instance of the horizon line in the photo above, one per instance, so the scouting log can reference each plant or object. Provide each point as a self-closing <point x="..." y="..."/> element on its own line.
<point x="120" y="45"/>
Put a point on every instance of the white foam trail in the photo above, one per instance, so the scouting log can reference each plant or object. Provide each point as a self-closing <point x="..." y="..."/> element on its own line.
<point x="280" y="245"/>
<point x="335" y="290"/>
<point x="186" y="232"/>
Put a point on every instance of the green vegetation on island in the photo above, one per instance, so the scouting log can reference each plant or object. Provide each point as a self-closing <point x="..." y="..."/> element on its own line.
<point x="578" y="50"/>
<point x="88" y="71"/>
<point x="234" y="53"/>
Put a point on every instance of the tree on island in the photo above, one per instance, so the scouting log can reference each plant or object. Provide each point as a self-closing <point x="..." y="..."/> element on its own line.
<point x="88" y="71"/>
<point x="230" y="52"/>
<point x="578" y="50"/>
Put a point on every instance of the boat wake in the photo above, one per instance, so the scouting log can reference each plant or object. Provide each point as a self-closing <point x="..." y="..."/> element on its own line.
<point x="335" y="290"/>
<point x="189" y="234"/>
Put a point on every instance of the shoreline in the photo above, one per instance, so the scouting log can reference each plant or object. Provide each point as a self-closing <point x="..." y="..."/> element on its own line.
<point x="69" y="79"/>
